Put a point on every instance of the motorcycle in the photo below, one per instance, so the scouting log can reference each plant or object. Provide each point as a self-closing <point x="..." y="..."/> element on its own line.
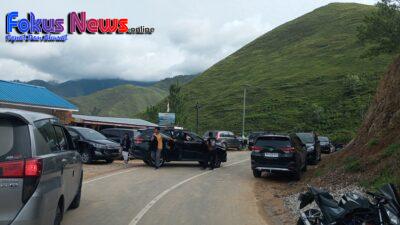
<point x="352" y="209"/>
<point x="387" y="205"/>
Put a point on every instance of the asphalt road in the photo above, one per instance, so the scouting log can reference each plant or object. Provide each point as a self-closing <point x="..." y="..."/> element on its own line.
<point x="179" y="193"/>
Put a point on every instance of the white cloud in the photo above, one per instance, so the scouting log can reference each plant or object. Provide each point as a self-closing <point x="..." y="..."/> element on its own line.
<point x="190" y="36"/>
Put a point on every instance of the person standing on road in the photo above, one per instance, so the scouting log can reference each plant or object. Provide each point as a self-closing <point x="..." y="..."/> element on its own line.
<point x="211" y="155"/>
<point x="157" y="147"/>
<point x="126" y="145"/>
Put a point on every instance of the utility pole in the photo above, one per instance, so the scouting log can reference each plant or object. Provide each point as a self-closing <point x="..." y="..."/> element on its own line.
<point x="197" y="107"/>
<point x="244" y="111"/>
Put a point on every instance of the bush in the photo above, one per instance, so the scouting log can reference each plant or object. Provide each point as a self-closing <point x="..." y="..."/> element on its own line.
<point x="373" y="142"/>
<point x="391" y="150"/>
<point x="352" y="165"/>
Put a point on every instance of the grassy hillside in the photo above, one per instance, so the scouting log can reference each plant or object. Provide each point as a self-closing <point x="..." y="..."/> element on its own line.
<point x="75" y="88"/>
<point x="125" y="100"/>
<point x="167" y="82"/>
<point x="304" y="75"/>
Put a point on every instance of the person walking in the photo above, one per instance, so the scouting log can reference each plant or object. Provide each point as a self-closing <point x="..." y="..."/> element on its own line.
<point x="211" y="155"/>
<point x="126" y="145"/>
<point x="157" y="147"/>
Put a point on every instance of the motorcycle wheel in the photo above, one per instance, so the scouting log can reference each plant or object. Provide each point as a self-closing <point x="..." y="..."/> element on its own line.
<point x="313" y="216"/>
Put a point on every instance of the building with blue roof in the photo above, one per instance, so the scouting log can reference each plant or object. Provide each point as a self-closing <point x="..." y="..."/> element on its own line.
<point x="35" y="98"/>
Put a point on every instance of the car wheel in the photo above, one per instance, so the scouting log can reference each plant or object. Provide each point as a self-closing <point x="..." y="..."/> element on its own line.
<point x="257" y="173"/>
<point x="305" y="167"/>
<point x="297" y="174"/>
<point x="146" y="162"/>
<point x="153" y="161"/>
<point x="201" y="163"/>
<point x="86" y="157"/>
<point x="217" y="163"/>
<point x="59" y="214"/>
<point x="77" y="200"/>
<point x="109" y="161"/>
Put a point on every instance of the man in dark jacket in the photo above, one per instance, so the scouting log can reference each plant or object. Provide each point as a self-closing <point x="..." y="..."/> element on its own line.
<point x="126" y="145"/>
<point x="211" y="155"/>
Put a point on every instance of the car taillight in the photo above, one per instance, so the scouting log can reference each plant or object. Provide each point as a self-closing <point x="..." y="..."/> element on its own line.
<point x="288" y="149"/>
<point x="13" y="169"/>
<point x="139" y="140"/>
<point x="33" y="167"/>
<point x="32" y="172"/>
<point x="256" y="148"/>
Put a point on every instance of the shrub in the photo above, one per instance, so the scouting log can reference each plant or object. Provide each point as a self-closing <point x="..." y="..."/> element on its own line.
<point x="352" y="165"/>
<point x="373" y="142"/>
<point x="391" y="150"/>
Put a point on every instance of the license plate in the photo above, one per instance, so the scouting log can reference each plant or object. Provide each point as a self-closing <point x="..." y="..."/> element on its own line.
<point x="271" y="155"/>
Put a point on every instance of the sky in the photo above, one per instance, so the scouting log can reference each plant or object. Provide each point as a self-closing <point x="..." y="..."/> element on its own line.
<point x="190" y="36"/>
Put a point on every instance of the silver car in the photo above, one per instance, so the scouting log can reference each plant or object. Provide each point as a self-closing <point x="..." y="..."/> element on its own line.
<point x="40" y="172"/>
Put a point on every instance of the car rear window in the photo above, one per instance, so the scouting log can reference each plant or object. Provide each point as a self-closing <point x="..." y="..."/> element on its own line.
<point x="276" y="142"/>
<point x="14" y="139"/>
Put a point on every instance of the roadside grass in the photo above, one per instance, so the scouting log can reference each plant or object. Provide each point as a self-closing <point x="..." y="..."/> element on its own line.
<point x="373" y="142"/>
<point x="391" y="150"/>
<point x="352" y="165"/>
<point x="386" y="176"/>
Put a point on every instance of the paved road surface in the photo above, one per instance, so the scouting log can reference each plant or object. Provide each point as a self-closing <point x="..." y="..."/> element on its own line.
<point x="176" y="194"/>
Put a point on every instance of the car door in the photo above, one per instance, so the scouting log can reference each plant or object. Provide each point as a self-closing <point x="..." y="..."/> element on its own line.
<point x="77" y="174"/>
<point x="193" y="147"/>
<point x="199" y="147"/>
<point x="187" y="147"/>
<point x="68" y="160"/>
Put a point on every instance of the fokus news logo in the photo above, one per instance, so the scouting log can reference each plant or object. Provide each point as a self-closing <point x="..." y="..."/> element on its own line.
<point x="34" y="29"/>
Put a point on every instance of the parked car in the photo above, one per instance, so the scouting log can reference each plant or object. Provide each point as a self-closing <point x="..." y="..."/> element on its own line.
<point x="117" y="134"/>
<point x="93" y="146"/>
<point x="279" y="153"/>
<point x="326" y="145"/>
<point x="40" y="170"/>
<point x="179" y="145"/>
<point x="313" y="147"/>
<point x="226" y="138"/>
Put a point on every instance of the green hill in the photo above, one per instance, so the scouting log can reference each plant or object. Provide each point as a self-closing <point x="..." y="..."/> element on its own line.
<point x="304" y="75"/>
<point x="167" y="82"/>
<point x="125" y="100"/>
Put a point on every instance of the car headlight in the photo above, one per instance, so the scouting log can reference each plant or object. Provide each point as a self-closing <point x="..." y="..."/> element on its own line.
<point x="392" y="217"/>
<point x="98" y="145"/>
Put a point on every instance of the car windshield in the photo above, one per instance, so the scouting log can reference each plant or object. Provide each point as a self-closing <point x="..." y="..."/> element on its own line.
<point x="276" y="142"/>
<point x="306" y="137"/>
<point x="90" y="134"/>
<point x="323" y="139"/>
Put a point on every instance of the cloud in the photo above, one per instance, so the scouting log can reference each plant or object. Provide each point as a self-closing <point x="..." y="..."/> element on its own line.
<point x="190" y="36"/>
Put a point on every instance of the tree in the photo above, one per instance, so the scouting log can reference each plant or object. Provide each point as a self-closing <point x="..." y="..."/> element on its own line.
<point x="381" y="31"/>
<point x="175" y="100"/>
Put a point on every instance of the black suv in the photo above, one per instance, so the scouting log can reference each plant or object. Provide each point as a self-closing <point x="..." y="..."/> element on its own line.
<point x="279" y="153"/>
<point x="117" y="134"/>
<point x="313" y="147"/>
<point x="92" y="145"/>
<point x="326" y="145"/>
<point x="179" y="145"/>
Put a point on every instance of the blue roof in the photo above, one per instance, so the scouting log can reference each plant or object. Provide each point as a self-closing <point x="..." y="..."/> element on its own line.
<point x="18" y="93"/>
